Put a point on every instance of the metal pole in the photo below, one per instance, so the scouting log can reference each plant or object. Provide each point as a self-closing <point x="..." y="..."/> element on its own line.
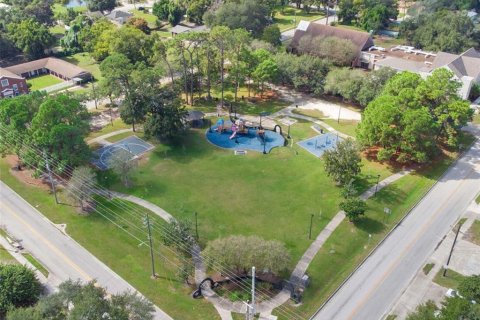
<point x="94" y="93"/>
<point x="288" y="134"/>
<point x="310" y="232"/>
<point x="196" y="224"/>
<point x="376" y="185"/>
<point x="339" y="109"/>
<point x="151" y="246"/>
<point x="451" y="250"/>
<point x="253" y="292"/>
<point x="50" y="175"/>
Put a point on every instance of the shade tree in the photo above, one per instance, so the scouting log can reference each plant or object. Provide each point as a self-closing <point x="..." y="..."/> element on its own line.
<point x="343" y="163"/>
<point x="80" y="187"/>
<point x="240" y="253"/>
<point x="413" y="117"/>
<point x="19" y="287"/>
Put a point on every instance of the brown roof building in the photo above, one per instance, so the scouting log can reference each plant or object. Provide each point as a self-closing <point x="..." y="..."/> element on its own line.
<point x="13" y="78"/>
<point x="11" y="85"/>
<point x="361" y="40"/>
<point x="54" y="66"/>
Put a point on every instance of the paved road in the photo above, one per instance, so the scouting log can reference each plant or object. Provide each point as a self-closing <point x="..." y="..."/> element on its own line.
<point x="372" y="290"/>
<point x="60" y="254"/>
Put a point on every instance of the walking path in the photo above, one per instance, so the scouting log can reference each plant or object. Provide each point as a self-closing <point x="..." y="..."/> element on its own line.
<point x="265" y="308"/>
<point x="101" y="139"/>
<point x="288" y="112"/>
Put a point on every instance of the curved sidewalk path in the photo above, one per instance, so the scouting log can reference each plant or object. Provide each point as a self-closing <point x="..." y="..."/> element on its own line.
<point x="101" y="139"/>
<point x="200" y="272"/>
<point x="265" y="308"/>
<point x="288" y="113"/>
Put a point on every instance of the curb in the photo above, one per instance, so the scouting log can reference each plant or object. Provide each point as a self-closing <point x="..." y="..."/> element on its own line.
<point x="392" y="230"/>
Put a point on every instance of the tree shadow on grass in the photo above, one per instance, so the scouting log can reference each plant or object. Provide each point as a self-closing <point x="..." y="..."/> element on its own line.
<point x="369" y="225"/>
<point x="184" y="149"/>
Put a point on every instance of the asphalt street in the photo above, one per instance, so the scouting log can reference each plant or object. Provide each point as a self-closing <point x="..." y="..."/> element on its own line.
<point x="379" y="282"/>
<point x="61" y="255"/>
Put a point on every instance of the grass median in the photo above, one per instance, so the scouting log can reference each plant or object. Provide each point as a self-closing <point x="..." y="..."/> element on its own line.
<point x="118" y="250"/>
<point x="350" y="243"/>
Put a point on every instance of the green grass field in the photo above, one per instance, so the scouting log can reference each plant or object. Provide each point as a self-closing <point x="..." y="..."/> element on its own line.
<point x="243" y="106"/>
<point x="43" y="81"/>
<point x="85" y="61"/>
<point x="58" y="8"/>
<point x="118" y="124"/>
<point x="427" y="268"/>
<point x="36" y="264"/>
<point x="474" y="232"/>
<point x="6" y="257"/>
<point x="242" y="195"/>
<point x="451" y="280"/>
<point x="350" y="243"/>
<point x="120" y="251"/>
<point x="345" y="126"/>
<point x="150" y="18"/>
<point x="288" y="17"/>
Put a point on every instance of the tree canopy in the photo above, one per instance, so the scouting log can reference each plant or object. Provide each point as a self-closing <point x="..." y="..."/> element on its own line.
<point x="443" y="30"/>
<point x="344" y="162"/>
<point x="101" y="5"/>
<point x="240" y="253"/>
<point x="75" y="300"/>
<point x="413" y="117"/>
<point x="368" y="14"/>
<point x="30" y="36"/>
<point x="247" y="14"/>
<point x="19" y="287"/>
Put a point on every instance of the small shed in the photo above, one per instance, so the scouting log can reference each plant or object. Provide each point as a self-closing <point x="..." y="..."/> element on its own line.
<point x="195" y="118"/>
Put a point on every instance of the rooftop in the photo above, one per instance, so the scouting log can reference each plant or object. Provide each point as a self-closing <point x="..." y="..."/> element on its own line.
<point x="362" y="40"/>
<point x="59" y="66"/>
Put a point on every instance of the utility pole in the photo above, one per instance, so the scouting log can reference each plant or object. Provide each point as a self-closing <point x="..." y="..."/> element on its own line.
<point x="253" y="293"/>
<point x="376" y="185"/>
<point x="94" y="93"/>
<point x="47" y="165"/>
<point x="147" y="222"/>
<point x="196" y="224"/>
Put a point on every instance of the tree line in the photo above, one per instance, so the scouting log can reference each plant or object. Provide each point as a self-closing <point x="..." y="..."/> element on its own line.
<point x="22" y="298"/>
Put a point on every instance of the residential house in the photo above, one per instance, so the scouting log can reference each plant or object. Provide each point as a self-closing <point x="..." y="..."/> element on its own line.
<point x="119" y="17"/>
<point x="13" y="78"/>
<point x="11" y="85"/>
<point x="362" y="40"/>
<point x="57" y="67"/>
<point x="465" y="67"/>
<point x="179" y="29"/>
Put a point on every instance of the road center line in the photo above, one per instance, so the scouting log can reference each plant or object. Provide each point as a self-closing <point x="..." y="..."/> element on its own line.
<point x="47" y="243"/>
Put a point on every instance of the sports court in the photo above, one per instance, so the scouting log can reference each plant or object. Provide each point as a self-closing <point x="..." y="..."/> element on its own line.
<point x="133" y="145"/>
<point x="319" y="144"/>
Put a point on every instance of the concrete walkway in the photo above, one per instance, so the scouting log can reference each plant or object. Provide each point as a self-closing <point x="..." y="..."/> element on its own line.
<point x="101" y="139"/>
<point x="317" y="244"/>
<point x="422" y="288"/>
<point x="17" y="254"/>
<point x="288" y="112"/>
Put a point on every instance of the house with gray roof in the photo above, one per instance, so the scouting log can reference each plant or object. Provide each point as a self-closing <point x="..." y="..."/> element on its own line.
<point x="119" y="17"/>
<point x="465" y="66"/>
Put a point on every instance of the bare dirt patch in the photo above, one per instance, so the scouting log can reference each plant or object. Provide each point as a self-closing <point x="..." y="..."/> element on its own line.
<point x="26" y="175"/>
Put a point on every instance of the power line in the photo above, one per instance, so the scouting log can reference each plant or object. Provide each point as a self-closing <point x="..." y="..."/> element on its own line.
<point x="125" y="208"/>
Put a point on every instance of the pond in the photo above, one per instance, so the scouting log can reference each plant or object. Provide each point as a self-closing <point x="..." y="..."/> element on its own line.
<point x="75" y="3"/>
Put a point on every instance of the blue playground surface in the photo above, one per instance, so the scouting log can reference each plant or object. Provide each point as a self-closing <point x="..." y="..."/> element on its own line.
<point x="133" y="145"/>
<point x="319" y="144"/>
<point x="249" y="140"/>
